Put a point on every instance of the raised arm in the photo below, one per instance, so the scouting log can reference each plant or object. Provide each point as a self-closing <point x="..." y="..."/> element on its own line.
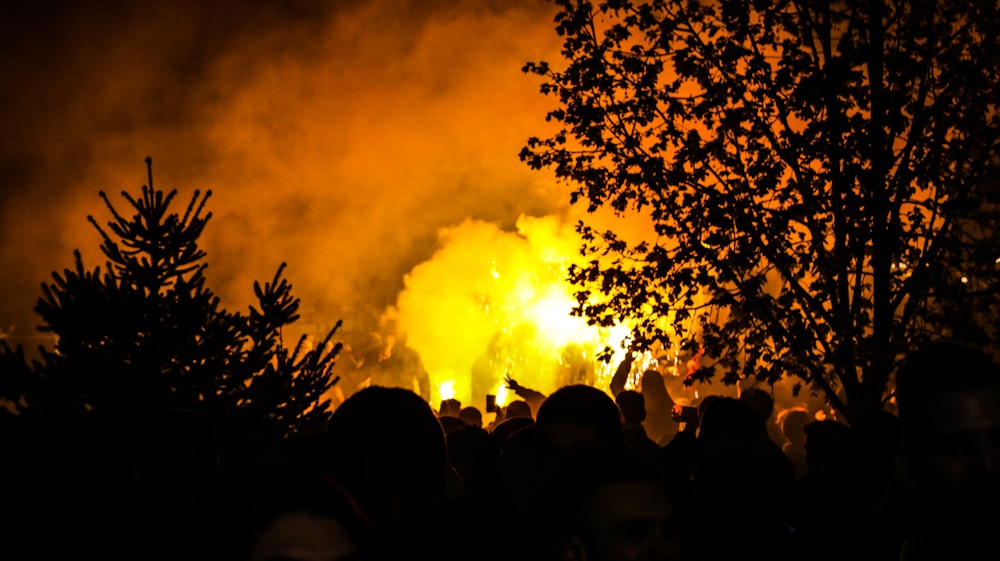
<point x="621" y="373"/>
<point x="533" y="397"/>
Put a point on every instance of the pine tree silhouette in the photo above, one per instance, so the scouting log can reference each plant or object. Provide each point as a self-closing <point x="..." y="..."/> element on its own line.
<point x="146" y="334"/>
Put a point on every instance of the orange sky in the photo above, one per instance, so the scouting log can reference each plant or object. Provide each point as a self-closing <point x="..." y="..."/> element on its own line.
<point x="337" y="136"/>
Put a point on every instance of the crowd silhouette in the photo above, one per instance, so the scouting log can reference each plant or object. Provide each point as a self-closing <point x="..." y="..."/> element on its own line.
<point x="581" y="474"/>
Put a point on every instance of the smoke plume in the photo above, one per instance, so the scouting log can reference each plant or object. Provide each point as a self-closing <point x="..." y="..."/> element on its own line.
<point x="339" y="137"/>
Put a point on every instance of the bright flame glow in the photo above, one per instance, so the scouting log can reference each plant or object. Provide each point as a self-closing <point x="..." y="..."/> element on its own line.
<point x="502" y="394"/>
<point x="447" y="389"/>
<point x="492" y="303"/>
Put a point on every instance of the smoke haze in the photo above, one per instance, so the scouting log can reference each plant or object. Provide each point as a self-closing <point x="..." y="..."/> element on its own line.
<point x="371" y="145"/>
<point x="337" y="136"/>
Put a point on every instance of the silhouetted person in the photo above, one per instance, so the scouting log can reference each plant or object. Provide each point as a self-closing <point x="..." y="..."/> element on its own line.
<point x="450" y="423"/>
<point x="518" y="408"/>
<point x="703" y="405"/>
<point x="820" y="438"/>
<point x="948" y="398"/>
<point x="498" y="437"/>
<point x="605" y="505"/>
<point x="810" y="495"/>
<point x="450" y="407"/>
<point x="283" y="509"/>
<point x="575" y="366"/>
<point x="531" y="396"/>
<point x="391" y="456"/>
<point x="470" y="454"/>
<point x="677" y="460"/>
<point x="633" y="409"/>
<point x="660" y="424"/>
<point x="729" y="423"/>
<point x="792" y="422"/>
<point x="571" y="420"/>
<point x="472" y="416"/>
<point x="763" y="403"/>
<point x="760" y="400"/>
<point x="622" y="372"/>
<point x="867" y="496"/>
<point x="387" y="360"/>
<point x="574" y="419"/>
<point x="861" y="500"/>
<point x="742" y="483"/>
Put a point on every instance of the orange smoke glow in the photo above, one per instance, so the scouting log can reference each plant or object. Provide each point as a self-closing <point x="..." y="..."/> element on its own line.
<point x="338" y="137"/>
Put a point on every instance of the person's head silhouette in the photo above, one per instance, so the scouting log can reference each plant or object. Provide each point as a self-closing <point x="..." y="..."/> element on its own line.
<point x="948" y="399"/>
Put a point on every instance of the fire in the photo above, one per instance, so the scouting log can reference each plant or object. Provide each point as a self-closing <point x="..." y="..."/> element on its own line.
<point x="447" y="389"/>
<point x="502" y="394"/>
<point x="492" y="303"/>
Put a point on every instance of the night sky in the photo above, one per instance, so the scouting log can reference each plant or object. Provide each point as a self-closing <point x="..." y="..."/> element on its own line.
<point x="340" y="137"/>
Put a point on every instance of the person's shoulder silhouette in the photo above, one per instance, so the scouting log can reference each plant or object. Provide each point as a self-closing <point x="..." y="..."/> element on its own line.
<point x="948" y="399"/>
<point x="391" y="453"/>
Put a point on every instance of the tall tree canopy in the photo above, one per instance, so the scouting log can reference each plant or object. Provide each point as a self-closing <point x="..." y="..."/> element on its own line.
<point x="820" y="178"/>
<point x="146" y="335"/>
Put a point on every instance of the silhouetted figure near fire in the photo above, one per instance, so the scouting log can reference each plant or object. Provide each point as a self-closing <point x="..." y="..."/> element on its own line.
<point x="576" y="366"/>
<point x="469" y="453"/>
<point x="266" y="510"/>
<point x="792" y="422"/>
<point x="518" y="408"/>
<point x="498" y="437"/>
<point x="868" y="496"/>
<point x="391" y="456"/>
<point x="948" y="397"/>
<point x="677" y="460"/>
<point x="448" y="414"/>
<point x="605" y="505"/>
<point x="402" y="367"/>
<point x="633" y="410"/>
<point x="450" y="407"/>
<point x="858" y="500"/>
<point x="471" y="416"/>
<point x="532" y="397"/>
<point x="571" y="420"/>
<point x="660" y="424"/>
<point x="763" y="403"/>
<point x="449" y="423"/>
<point x="742" y="483"/>
<point x="810" y="494"/>
<point x="385" y="359"/>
